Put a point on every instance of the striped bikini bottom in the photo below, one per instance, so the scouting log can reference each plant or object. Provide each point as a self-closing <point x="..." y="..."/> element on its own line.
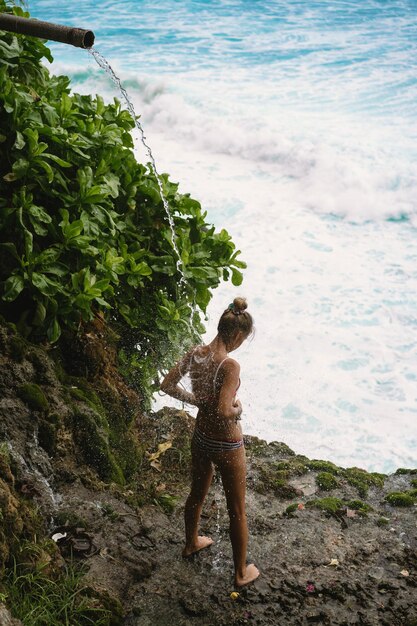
<point x="206" y="444"/>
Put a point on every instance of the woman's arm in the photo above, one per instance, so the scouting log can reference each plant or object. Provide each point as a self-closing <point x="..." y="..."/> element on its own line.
<point x="170" y="383"/>
<point x="229" y="408"/>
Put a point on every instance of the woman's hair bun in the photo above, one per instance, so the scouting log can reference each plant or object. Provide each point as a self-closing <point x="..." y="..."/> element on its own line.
<point x="240" y="304"/>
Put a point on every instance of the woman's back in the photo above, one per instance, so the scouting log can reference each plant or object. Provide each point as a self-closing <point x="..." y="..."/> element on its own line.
<point x="207" y="373"/>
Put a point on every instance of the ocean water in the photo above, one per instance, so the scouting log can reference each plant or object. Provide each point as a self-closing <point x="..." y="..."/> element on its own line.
<point x="294" y="123"/>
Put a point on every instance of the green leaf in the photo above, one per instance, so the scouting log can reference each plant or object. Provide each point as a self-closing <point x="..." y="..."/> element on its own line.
<point x="40" y="214"/>
<point x="45" y="285"/>
<point x="237" y="277"/>
<point x="54" y="331"/>
<point x="11" y="248"/>
<point x="57" y="159"/>
<point x="40" y="314"/>
<point x="12" y="288"/>
<point x="20" y="142"/>
<point x="49" y="255"/>
<point x="46" y="167"/>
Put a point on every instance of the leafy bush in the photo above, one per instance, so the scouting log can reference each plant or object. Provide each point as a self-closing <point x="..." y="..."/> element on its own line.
<point x="83" y="230"/>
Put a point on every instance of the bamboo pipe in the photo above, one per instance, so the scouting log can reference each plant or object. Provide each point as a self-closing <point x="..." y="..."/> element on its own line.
<point x="45" y="30"/>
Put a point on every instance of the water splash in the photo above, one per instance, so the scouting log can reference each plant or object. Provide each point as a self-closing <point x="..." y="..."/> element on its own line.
<point x="218" y="560"/>
<point x="105" y="65"/>
<point x="30" y="472"/>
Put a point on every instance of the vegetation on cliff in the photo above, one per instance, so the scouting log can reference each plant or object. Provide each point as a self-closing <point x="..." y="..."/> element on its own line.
<point x="89" y="275"/>
<point x="83" y="229"/>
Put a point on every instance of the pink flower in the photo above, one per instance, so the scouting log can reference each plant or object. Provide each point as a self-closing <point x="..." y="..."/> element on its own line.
<point x="310" y="588"/>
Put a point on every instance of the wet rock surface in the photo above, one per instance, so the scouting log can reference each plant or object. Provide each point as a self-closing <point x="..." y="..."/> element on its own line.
<point x="330" y="547"/>
<point x="316" y="566"/>
<point x="6" y="619"/>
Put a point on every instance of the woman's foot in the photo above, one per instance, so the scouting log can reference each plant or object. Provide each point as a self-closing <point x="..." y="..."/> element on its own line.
<point x="250" y="574"/>
<point x="200" y="544"/>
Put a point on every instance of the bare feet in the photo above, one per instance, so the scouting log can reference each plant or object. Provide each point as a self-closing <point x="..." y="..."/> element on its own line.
<point x="202" y="542"/>
<point x="250" y="575"/>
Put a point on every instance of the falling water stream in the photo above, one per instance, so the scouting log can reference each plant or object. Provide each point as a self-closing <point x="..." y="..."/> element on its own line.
<point x="105" y="65"/>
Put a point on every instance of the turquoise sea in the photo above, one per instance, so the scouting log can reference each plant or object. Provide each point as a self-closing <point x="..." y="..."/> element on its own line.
<point x="295" y="124"/>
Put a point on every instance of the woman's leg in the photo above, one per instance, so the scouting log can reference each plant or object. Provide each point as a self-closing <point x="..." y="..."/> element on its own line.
<point x="232" y="466"/>
<point x="202" y="475"/>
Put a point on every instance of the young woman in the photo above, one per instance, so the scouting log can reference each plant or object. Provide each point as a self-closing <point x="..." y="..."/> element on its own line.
<point x="217" y="438"/>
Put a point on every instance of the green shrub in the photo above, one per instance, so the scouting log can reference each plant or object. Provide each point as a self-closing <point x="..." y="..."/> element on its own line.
<point x="398" y="498"/>
<point x="326" y="481"/>
<point x="403" y="470"/>
<point x="83" y="229"/>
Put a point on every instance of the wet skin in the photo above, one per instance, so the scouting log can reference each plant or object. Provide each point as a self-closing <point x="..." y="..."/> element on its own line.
<point x="217" y="418"/>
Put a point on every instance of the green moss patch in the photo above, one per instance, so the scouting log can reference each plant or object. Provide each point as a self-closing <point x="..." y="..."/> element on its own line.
<point x="361" y="507"/>
<point x="17" y="348"/>
<point x="324" y="466"/>
<point x="330" y="505"/>
<point x="400" y="498"/>
<point x="275" y="481"/>
<point x="295" y="466"/>
<point x="326" y="481"/>
<point x="362" y="480"/>
<point x="33" y="396"/>
<point x="404" y="470"/>
<point x="292" y="508"/>
<point x="94" y="447"/>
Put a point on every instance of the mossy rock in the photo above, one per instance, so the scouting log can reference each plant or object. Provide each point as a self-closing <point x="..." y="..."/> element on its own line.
<point x="129" y="455"/>
<point x="284" y="490"/>
<point x="382" y="522"/>
<point x="362" y="480"/>
<point x="400" y="498"/>
<point x="17" y="347"/>
<point x="94" y="447"/>
<point x="167" y="502"/>
<point x="109" y="603"/>
<point x="5" y="470"/>
<point x="81" y="389"/>
<point x="329" y="505"/>
<point x="292" y="508"/>
<point x="69" y="518"/>
<point x="275" y="481"/>
<point x="33" y="396"/>
<point x="47" y="436"/>
<point x="414" y="482"/>
<point x="361" y="507"/>
<point x="295" y="466"/>
<point x="326" y="481"/>
<point x="324" y="466"/>
<point x="281" y="448"/>
<point x="18" y="520"/>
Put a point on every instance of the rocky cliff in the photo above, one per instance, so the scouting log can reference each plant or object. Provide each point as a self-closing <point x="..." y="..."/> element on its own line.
<point x="90" y="484"/>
